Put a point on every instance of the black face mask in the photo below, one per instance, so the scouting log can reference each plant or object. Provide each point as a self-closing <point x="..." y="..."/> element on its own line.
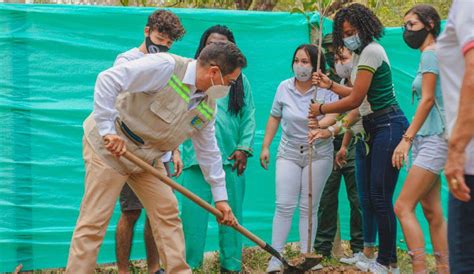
<point x="415" y="38"/>
<point x="154" y="48"/>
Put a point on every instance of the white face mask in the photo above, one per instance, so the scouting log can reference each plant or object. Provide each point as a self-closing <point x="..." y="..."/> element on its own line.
<point x="352" y="42"/>
<point x="302" y="73"/>
<point x="344" y="70"/>
<point x="218" y="91"/>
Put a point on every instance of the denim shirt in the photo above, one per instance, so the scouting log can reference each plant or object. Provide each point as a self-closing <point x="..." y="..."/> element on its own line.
<point x="434" y="123"/>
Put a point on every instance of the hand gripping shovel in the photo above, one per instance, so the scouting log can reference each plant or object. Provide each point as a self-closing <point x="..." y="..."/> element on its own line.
<point x="307" y="264"/>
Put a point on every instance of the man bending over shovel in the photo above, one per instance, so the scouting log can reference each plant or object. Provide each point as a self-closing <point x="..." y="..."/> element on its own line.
<point x="158" y="110"/>
<point x="163" y="28"/>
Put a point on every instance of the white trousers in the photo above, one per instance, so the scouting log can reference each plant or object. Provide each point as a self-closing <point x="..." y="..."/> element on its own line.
<point x="292" y="168"/>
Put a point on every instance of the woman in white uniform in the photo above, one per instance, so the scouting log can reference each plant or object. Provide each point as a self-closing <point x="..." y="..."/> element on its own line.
<point x="290" y="108"/>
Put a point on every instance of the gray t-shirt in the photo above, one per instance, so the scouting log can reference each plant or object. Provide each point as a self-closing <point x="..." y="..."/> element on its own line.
<point x="457" y="39"/>
<point x="292" y="106"/>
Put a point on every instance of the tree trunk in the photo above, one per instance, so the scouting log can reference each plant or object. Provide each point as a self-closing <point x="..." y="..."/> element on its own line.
<point x="243" y="4"/>
<point x="264" y="5"/>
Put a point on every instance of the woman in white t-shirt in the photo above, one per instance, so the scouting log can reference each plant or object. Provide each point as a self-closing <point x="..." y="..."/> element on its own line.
<point x="290" y="108"/>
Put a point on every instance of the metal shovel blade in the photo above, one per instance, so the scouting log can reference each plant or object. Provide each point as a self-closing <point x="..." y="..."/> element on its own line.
<point x="306" y="265"/>
<point x="309" y="262"/>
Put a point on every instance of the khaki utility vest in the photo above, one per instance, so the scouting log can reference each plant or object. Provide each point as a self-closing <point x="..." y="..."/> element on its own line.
<point x="152" y="123"/>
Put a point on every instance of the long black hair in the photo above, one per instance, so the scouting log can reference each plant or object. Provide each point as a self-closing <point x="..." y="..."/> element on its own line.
<point x="312" y="52"/>
<point x="427" y="15"/>
<point x="236" y="94"/>
<point x="362" y="19"/>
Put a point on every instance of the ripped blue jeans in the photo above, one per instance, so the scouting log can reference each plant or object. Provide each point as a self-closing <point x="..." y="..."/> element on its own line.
<point x="385" y="132"/>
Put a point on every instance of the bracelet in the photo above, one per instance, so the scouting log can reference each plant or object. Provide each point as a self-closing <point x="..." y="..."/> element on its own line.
<point x="408" y="138"/>
<point x="330" y="86"/>
<point x="321" y="109"/>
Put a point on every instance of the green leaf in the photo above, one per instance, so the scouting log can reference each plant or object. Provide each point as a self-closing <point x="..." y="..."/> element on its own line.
<point x="326" y="3"/>
<point x="367" y="148"/>
<point x="341" y="116"/>
<point x="309" y="6"/>
<point x="298" y="10"/>
<point x="366" y="136"/>
<point x="315" y="25"/>
<point x="372" y="3"/>
<point x="342" y="131"/>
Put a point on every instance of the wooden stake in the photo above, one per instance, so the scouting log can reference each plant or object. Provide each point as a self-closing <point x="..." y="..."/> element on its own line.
<point x="310" y="200"/>
<point x="310" y="150"/>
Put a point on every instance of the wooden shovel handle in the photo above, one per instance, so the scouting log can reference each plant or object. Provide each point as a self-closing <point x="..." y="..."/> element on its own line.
<point x="193" y="197"/>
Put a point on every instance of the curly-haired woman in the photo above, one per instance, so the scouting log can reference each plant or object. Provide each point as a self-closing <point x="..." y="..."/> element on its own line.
<point x="356" y="27"/>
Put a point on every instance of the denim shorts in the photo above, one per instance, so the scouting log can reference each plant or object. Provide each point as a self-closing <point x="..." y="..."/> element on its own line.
<point x="430" y="152"/>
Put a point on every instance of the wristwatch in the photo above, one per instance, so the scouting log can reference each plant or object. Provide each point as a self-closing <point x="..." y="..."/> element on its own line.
<point x="332" y="130"/>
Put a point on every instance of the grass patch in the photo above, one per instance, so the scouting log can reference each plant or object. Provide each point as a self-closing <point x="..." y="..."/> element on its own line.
<point x="255" y="261"/>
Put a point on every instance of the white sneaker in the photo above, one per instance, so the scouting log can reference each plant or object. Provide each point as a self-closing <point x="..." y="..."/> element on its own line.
<point x="358" y="257"/>
<point x="317" y="267"/>
<point x="394" y="270"/>
<point x="373" y="267"/>
<point x="274" y="265"/>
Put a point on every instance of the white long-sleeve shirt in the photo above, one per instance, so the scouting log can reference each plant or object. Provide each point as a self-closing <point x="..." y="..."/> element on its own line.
<point x="130" y="55"/>
<point x="150" y="74"/>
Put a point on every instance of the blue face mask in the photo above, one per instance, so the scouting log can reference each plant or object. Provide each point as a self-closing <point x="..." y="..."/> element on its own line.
<point x="352" y="42"/>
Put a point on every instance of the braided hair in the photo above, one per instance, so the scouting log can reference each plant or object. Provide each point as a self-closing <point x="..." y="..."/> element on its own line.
<point x="362" y="19"/>
<point x="236" y="94"/>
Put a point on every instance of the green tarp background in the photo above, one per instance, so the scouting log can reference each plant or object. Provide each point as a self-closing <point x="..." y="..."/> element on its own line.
<point x="50" y="56"/>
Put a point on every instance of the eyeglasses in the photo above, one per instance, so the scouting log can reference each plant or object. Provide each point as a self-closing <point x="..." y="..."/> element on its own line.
<point x="410" y="24"/>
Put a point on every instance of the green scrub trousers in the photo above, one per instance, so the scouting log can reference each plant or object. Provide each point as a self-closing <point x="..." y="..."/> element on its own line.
<point x="195" y="219"/>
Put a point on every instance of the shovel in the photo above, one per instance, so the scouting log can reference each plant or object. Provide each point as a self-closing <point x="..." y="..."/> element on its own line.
<point x="307" y="264"/>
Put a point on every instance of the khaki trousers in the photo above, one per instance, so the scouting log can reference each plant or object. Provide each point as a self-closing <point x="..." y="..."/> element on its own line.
<point x="102" y="187"/>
